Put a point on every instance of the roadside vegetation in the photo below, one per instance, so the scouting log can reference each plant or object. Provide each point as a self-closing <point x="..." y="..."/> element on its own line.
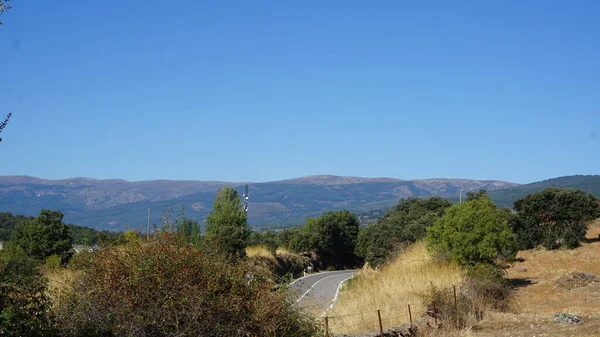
<point x="180" y="281"/>
<point x="464" y="246"/>
<point x="175" y="282"/>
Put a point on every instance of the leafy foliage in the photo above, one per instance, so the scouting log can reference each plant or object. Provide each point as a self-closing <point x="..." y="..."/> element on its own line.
<point x="189" y="231"/>
<point x="79" y="234"/>
<point x="164" y="288"/>
<point x="4" y="7"/>
<point x="476" y="195"/>
<point x="473" y="232"/>
<point x="586" y="183"/>
<point x="332" y="236"/>
<point x="8" y="222"/>
<point x="227" y="229"/>
<point x="23" y="301"/>
<point x="554" y="218"/>
<point x="405" y="223"/>
<point x="44" y="236"/>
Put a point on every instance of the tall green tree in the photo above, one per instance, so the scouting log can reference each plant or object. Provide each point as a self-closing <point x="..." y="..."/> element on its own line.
<point x="189" y="231"/>
<point x="473" y="232"/>
<point x="403" y="224"/>
<point x="554" y="218"/>
<point x="333" y="236"/>
<point x="44" y="236"/>
<point x="227" y="229"/>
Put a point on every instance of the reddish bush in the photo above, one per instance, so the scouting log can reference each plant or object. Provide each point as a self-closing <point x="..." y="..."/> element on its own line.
<point x="162" y="288"/>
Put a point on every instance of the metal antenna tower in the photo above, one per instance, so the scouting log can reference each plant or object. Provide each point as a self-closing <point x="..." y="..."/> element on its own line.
<point x="246" y="194"/>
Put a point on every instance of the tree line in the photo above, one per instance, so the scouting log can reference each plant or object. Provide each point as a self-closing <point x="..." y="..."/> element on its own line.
<point x="115" y="292"/>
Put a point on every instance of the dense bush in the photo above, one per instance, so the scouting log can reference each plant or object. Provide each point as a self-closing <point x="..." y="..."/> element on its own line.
<point x="483" y="289"/>
<point x="403" y="224"/>
<point x="554" y="218"/>
<point x="473" y="232"/>
<point x="23" y="302"/>
<point x="332" y="236"/>
<point x="163" y="288"/>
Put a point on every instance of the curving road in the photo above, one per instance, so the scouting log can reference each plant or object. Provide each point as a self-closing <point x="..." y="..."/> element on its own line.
<point x="317" y="292"/>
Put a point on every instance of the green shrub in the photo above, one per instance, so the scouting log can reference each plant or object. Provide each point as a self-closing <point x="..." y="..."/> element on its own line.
<point x="554" y="218"/>
<point x="163" y="288"/>
<point x="473" y="232"/>
<point x="53" y="262"/>
<point x="405" y="223"/>
<point x="23" y="302"/>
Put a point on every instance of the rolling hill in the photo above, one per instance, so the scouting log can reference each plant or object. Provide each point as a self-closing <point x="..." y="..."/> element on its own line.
<point x="120" y="204"/>
<point x="587" y="183"/>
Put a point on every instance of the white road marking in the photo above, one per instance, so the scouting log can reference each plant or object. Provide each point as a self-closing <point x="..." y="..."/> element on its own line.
<point x="337" y="294"/>
<point x="309" y="275"/>
<point x="312" y="287"/>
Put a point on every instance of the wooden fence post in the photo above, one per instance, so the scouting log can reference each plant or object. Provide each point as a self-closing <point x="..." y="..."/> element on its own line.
<point x="380" y="325"/>
<point x="456" y="308"/>
<point x="410" y="316"/>
<point x="326" y="326"/>
<point x="434" y="314"/>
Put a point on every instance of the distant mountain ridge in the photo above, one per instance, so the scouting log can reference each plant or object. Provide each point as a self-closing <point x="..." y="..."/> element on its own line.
<point x="119" y="204"/>
<point x="587" y="183"/>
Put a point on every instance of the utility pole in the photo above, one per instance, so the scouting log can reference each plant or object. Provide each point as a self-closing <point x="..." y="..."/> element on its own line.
<point x="148" y="226"/>
<point x="246" y="195"/>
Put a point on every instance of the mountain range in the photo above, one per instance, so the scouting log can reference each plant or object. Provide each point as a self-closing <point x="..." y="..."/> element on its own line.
<point x="119" y="204"/>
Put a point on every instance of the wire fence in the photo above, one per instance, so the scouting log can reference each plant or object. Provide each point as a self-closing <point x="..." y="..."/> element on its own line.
<point x="446" y="307"/>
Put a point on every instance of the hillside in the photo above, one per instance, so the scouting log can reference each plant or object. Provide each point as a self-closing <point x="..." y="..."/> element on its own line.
<point x="506" y="197"/>
<point x="120" y="204"/>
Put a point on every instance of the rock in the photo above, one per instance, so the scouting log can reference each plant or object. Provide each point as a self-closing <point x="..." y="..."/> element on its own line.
<point x="561" y="317"/>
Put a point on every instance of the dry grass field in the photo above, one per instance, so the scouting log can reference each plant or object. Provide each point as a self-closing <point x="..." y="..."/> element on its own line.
<point x="390" y="290"/>
<point x="546" y="282"/>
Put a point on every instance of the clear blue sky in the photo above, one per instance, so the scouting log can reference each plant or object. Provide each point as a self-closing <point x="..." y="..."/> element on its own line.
<point x="258" y="91"/>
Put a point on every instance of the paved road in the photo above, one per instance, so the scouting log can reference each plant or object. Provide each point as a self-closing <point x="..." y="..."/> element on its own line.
<point x="316" y="292"/>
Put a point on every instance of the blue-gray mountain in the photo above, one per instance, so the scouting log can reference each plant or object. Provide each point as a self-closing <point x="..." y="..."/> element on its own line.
<point x="120" y="204"/>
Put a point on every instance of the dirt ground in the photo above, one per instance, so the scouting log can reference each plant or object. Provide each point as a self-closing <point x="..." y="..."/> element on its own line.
<point x="548" y="282"/>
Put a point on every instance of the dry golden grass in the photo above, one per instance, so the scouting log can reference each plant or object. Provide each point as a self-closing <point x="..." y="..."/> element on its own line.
<point x="539" y="271"/>
<point x="252" y="251"/>
<point x="401" y="282"/>
<point x="283" y="251"/>
<point x="59" y="280"/>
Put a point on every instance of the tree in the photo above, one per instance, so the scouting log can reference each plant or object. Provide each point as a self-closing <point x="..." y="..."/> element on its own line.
<point x="554" y="217"/>
<point x="44" y="236"/>
<point x="227" y="229"/>
<point x="473" y="232"/>
<point x="189" y="231"/>
<point x="5" y="122"/>
<point x="403" y="224"/>
<point x="4" y="7"/>
<point x="333" y="236"/>
<point x="476" y="195"/>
